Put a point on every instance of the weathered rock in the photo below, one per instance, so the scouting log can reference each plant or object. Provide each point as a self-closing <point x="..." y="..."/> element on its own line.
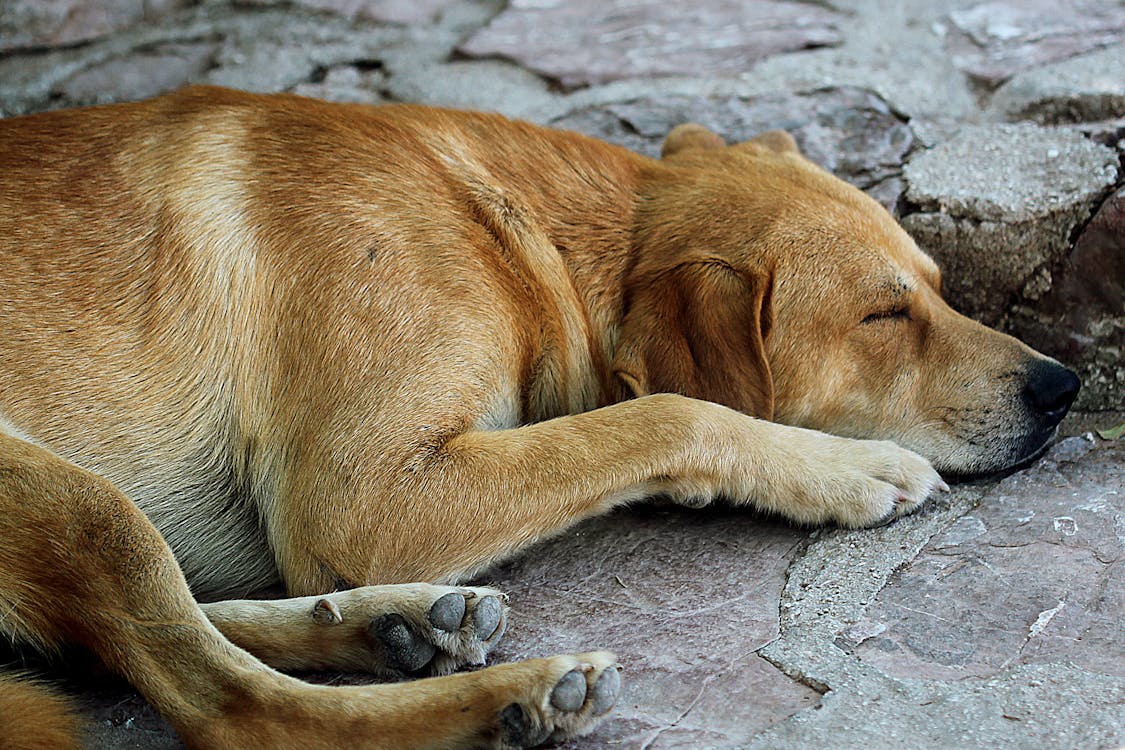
<point x="473" y="84"/>
<point x="383" y="11"/>
<point x="992" y="41"/>
<point x="346" y="83"/>
<point x="684" y="598"/>
<point x="580" y="42"/>
<point x="848" y="131"/>
<point x="998" y="204"/>
<point x="1082" y="89"/>
<point x="147" y="73"/>
<point x="269" y="52"/>
<point x="1081" y="319"/>
<point x="1031" y="576"/>
<point x="44" y="23"/>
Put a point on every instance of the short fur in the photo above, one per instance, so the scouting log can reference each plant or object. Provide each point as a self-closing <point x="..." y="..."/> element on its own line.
<point x="259" y="339"/>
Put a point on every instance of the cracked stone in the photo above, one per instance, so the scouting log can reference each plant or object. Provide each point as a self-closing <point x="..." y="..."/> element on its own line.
<point x="1034" y="577"/>
<point x="143" y="74"/>
<point x="583" y="42"/>
<point x="381" y="11"/>
<point x="848" y="131"/>
<point x="1081" y="320"/>
<point x="993" y="41"/>
<point x="48" y="23"/>
<point x="999" y="202"/>
<point x="1087" y="88"/>
<point x="684" y="598"/>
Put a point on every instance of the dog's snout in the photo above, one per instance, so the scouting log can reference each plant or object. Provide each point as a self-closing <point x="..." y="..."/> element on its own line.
<point x="1051" y="389"/>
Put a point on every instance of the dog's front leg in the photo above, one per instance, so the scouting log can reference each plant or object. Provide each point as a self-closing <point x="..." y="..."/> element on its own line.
<point x="484" y="494"/>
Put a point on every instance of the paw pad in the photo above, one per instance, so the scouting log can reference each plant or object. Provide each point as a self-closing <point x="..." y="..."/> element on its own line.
<point x="486" y="617"/>
<point x="570" y="692"/>
<point x="448" y="612"/>
<point x="404" y="650"/>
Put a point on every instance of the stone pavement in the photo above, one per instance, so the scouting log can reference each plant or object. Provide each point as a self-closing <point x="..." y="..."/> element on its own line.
<point x="993" y="129"/>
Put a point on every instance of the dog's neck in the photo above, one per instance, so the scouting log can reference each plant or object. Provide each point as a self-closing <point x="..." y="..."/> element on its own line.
<point x="583" y="194"/>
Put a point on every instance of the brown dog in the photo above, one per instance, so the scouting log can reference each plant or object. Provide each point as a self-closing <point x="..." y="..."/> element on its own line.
<point x="251" y="339"/>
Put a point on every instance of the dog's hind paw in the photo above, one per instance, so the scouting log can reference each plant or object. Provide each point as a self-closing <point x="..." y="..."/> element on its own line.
<point x="415" y="628"/>
<point x="573" y="696"/>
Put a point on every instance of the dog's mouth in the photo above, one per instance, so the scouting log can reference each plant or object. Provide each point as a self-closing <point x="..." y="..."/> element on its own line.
<point x="1038" y="444"/>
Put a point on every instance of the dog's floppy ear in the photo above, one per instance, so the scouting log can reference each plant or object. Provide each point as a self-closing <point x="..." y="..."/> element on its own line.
<point x="688" y="136"/>
<point x="699" y="329"/>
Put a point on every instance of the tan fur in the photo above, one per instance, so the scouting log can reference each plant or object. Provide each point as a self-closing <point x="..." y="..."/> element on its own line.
<point x="33" y="717"/>
<point x="258" y="339"/>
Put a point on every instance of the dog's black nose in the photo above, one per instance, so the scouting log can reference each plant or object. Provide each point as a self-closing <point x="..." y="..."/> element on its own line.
<point x="1051" y="389"/>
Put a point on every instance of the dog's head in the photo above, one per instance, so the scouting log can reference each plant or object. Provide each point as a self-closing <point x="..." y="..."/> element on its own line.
<point x="766" y="284"/>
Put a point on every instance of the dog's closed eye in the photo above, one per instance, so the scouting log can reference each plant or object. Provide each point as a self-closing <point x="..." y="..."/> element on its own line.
<point x="898" y="313"/>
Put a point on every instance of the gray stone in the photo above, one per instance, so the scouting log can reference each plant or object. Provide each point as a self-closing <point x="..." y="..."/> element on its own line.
<point x="684" y="598"/>
<point x="1081" y="319"/>
<point x="146" y="73"/>
<point x="892" y="48"/>
<point x="992" y="41"/>
<point x="581" y="42"/>
<point x="998" y="203"/>
<point x="492" y="85"/>
<point x="346" y="83"/>
<point x="271" y="52"/>
<point x="1082" y="89"/>
<point x="383" y="11"/>
<point x="1038" y="580"/>
<point x="843" y="599"/>
<point x="48" y="23"/>
<point x="848" y="131"/>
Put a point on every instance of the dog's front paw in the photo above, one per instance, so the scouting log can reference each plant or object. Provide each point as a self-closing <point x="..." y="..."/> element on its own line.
<point x="413" y="628"/>
<point x="820" y="478"/>
<point x="434" y="630"/>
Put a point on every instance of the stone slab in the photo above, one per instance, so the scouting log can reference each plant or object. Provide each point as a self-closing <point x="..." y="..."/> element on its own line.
<point x="998" y="203"/>
<point x="583" y="42"/>
<point x="1081" y="319"/>
<point x="848" y="131"/>
<point x="1034" y="575"/>
<point x="152" y="71"/>
<point x="993" y="41"/>
<point x="685" y="599"/>
<point x="1087" y="88"/>
<point x="382" y="11"/>
<point x="844" y="595"/>
<point x="48" y="23"/>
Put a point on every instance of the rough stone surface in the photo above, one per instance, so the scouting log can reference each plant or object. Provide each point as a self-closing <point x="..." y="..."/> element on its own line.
<point x="702" y="585"/>
<point x="1082" y="89"/>
<point x="386" y="11"/>
<point x="848" y="131"/>
<point x="832" y="600"/>
<point x="1081" y="320"/>
<point x="153" y="71"/>
<point x="1033" y="575"/>
<point x="580" y="42"/>
<point x="42" y="23"/>
<point x="998" y="203"/>
<point x="992" y="41"/>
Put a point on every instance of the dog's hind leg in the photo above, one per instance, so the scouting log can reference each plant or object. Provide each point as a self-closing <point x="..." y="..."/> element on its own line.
<point x="410" y="628"/>
<point x="79" y="563"/>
